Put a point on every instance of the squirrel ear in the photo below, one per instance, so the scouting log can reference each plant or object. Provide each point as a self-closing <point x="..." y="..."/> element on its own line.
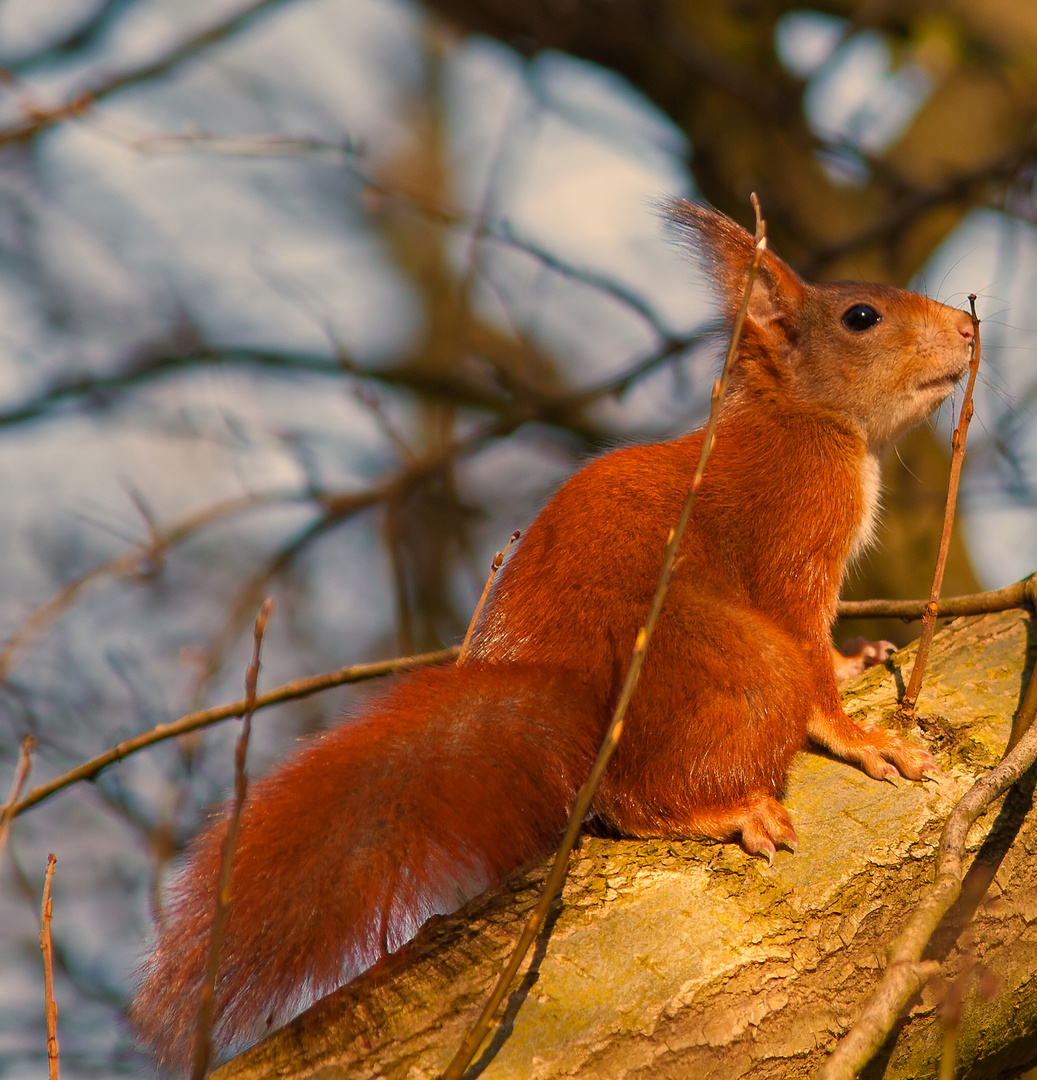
<point x="726" y="250"/>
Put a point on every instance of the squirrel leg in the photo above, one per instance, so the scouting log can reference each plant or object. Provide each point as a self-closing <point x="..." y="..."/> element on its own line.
<point x="718" y="716"/>
<point x="880" y="753"/>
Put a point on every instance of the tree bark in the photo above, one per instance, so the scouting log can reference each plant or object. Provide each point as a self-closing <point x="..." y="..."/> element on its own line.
<point x="692" y="960"/>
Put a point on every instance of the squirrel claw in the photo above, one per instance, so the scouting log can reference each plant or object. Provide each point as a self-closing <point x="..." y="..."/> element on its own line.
<point x="765" y="826"/>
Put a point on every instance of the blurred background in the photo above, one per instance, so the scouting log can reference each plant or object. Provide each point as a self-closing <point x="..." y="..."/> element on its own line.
<point x="321" y="299"/>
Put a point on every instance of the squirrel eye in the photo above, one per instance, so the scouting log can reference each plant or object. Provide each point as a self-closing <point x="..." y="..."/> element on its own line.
<point x="860" y="317"/>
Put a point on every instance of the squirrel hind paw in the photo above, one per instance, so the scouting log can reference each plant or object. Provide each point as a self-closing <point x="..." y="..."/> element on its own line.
<point x="764" y="826"/>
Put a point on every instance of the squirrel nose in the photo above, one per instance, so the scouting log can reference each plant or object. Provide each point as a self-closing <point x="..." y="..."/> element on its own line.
<point x="966" y="329"/>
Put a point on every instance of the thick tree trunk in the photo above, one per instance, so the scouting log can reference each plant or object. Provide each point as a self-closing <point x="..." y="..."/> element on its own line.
<point x="691" y="960"/>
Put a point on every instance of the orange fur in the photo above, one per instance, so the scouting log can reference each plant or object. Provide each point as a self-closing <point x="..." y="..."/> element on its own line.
<point x="454" y="778"/>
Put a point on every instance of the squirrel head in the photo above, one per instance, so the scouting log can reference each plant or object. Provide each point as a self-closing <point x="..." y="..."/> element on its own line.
<point x="876" y="358"/>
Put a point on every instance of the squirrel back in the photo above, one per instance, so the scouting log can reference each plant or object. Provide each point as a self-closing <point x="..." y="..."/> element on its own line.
<point x="454" y="778"/>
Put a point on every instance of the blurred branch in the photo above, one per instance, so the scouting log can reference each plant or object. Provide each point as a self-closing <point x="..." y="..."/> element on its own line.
<point x="456" y="388"/>
<point x="504" y="233"/>
<point x="80" y="38"/>
<point x="21" y="775"/>
<point x="40" y="119"/>
<point x="143" y="561"/>
<point x="912" y="202"/>
<point x="100" y="389"/>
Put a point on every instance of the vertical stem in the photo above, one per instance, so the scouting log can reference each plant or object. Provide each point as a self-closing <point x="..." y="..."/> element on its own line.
<point x="206" y="1006"/>
<point x="46" y="947"/>
<point x="914" y="686"/>
<point x="498" y="561"/>
<point x="21" y="776"/>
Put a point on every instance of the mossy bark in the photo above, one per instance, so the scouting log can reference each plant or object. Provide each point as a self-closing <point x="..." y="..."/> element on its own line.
<point x="692" y="960"/>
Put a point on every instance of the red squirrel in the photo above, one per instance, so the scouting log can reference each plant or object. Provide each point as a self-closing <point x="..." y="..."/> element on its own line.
<point x="453" y="778"/>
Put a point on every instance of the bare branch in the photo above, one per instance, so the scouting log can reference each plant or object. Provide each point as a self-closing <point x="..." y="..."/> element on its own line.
<point x="21" y="775"/>
<point x="1019" y="594"/>
<point x="203" y="718"/>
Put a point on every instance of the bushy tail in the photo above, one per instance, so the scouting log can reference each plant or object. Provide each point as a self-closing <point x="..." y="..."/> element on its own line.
<point x="447" y="783"/>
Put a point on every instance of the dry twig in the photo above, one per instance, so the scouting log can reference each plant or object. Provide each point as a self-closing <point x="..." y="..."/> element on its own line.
<point x="203" y="1038"/>
<point x="498" y="561"/>
<point x="1018" y="594"/>
<point x="910" y="698"/>
<point x="51" y="1006"/>
<point x="21" y="775"/>
<point x="292" y="691"/>
<point x="473" y="1040"/>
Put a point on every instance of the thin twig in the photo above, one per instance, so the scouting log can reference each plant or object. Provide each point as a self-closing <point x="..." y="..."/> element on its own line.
<point x="292" y="691"/>
<point x="1019" y="594"/>
<point x="203" y="1038"/>
<point x="473" y="1040"/>
<point x="21" y="775"/>
<point x="906" y="973"/>
<point x="46" y="947"/>
<point x="498" y="561"/>
<point x="910" y="698"/>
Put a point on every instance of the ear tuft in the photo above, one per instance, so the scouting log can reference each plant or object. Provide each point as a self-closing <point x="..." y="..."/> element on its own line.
<point x="725" y="251"/>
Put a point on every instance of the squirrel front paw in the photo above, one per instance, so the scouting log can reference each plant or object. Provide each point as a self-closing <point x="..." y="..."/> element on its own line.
<point x="884" y="756"/>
